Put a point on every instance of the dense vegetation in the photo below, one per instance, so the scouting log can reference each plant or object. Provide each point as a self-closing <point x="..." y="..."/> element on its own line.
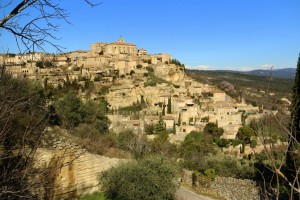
<point x="148" y="178"/>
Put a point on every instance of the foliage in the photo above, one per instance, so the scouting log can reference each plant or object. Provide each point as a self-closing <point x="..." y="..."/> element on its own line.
<point x="210" y="173"/>
<point x="149" y="129"/>
<point x="213" y="130"/>
<point x="195" y="146"/>
<point x="93" y="140"/>
<point x="228" y="166"/>
<point x="73" y="111"/>
<point x="136" y="107"/>
<point x="137" y="145"/>
<point x="44" y="64"/>
<point x="149" y="178"/>
<point x="222" y="142"/>
<point x="160" y="127"/>
<point x="132" y="72"/>
<point x="103" y="90"/>
<point x="139" y="66"/>
<point x="150" y="69"/>
<point x="293" y="159"/>
<point x="163" y="113"/>
<point x="94" y="196"/>
<point x="69" y="110"/>
<point x="236" y="142"/>
<point x="253" y="143"/>
<point x="169" y="109"/>
<point x="23" y="114"/>
<point x="176" y="62"/>
<point x="245" y="134"/>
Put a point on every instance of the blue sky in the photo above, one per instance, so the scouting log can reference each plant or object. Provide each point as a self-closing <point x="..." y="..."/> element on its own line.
<point x="202" y="34"/>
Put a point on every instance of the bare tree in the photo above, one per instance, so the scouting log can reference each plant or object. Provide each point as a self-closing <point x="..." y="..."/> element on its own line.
<point x="33" y="23"/>
<point x="23" y="111"/>
<point x="282" y="169"/>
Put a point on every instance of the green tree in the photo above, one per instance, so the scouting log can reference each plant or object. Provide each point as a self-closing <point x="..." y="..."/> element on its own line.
<point x="163" y="109"/>
<point x="23" y="114"/>
<point x="132" y="73"/>
<point x="143" y="100"/>
<point x="149" y="129"/>
<point x="194" y="148"/>
<point x="69" y="109"/>
<point x="213" y="130"/>
<point x="293" y="158"/>
<point x="160" y="127"/>
<point x="150" y="178"/>
<point x="169" y="109"/>
<point x="245" y="134"/>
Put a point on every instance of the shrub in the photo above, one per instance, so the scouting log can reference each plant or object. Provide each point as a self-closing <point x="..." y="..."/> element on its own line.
<point x="139" y="66"/>
<point x="236" y="142"/>
<point x="147" y="179"/>
<point x="132" y="72"/>
<point x="210" y="173"/>
<point x="253" y="143"/>
<point x="150" y="69"/>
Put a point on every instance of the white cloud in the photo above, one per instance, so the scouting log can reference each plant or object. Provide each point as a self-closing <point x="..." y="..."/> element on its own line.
<point x="266" y="66"/>
<point x="200" y="67"/>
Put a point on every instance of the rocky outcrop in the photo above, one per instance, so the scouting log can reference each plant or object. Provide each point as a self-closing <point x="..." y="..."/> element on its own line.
<point x="169" y="72"/>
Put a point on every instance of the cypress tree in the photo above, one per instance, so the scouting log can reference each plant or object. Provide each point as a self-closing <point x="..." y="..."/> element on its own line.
<point x="169" y="109"/>
<point x="164" y="110"/>
<point x="160" y="126"/>
<point x="174" y="128"/>
<point x="142" y="100"/>
<point x="295" y="106"/>
<point x="293" y="159"/>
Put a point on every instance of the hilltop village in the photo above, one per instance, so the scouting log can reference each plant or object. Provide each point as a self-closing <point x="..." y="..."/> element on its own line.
<point x="142" y="88"/>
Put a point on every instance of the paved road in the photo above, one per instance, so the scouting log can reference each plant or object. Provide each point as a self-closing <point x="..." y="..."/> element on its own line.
<point x="185" y="194"/>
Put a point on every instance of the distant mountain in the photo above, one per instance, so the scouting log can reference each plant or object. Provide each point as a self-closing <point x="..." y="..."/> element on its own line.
<point x="277" y="73"/>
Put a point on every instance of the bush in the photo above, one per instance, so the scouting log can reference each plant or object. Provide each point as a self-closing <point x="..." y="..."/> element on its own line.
<point x="213" y="130"/>
<point x="150" y="69"/>
<point x="210" y="173"/>
<point x="139" y="66"/>
<point x="236" y="142"/>
<point x="132" y="73"/>
<point x="253" y="143"/>
<point x="147" y="179"/>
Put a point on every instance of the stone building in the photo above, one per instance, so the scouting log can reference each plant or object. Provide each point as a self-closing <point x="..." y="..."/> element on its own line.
<point x="114" y="48"/>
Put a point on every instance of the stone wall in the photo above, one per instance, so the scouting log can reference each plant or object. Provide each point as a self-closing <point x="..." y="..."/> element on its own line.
<point x="223" y="187"/>
<point x="232" y="188"/>
<point x="69" y="171"/>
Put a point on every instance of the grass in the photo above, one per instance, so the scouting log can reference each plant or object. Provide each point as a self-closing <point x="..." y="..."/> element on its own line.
<point x="94" y="196"/>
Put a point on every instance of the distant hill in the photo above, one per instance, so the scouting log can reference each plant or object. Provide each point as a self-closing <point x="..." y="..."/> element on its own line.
<point x="253" y="88"/>
<point x="277" y="73"/>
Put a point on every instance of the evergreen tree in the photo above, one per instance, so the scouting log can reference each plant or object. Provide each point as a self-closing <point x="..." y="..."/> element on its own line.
<point x="160" y="126"/>
<point x="293" y="160"/>
<point x="164" y="109"/>
<point x="169" y="109"/>
<point x="174" y="128"/>
<point x="142" y="100"/>
<point x="295" y="107"/>
<point x="179" y="120"/>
